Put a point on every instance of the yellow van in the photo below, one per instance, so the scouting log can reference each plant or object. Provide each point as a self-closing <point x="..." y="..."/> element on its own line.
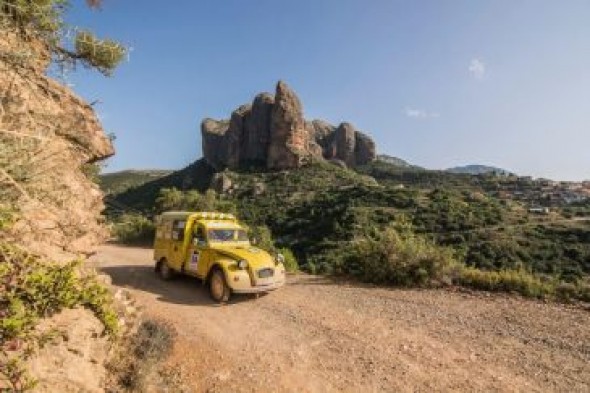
<point x="215" y="248"/>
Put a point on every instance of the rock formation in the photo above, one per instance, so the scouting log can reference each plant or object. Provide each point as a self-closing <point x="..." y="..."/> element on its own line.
<point x="288" y="135"/>
<point x="48" y="135"/>
<point x="272" y="133"/>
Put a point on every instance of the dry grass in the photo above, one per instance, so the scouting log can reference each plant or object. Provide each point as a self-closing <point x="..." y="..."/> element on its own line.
<point x="140" y="362"/>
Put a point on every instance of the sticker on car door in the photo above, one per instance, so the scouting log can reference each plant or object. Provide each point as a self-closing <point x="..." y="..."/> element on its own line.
<point x="194" y="264"/>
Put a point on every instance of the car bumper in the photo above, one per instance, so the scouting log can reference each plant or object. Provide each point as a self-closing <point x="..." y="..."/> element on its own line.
<point x="259" y="288"/>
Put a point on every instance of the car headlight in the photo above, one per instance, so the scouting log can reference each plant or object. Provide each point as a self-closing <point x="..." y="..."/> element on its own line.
<point x="280" y="258"/>
<point x="242" y="263"/>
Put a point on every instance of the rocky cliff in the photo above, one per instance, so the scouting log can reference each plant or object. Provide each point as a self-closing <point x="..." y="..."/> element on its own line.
<point x="47" y="137"/>
<point x="272" y="132"/>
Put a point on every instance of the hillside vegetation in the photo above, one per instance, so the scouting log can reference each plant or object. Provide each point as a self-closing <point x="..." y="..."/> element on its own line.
<point x="118" y="182"/>
<point x="390" y="224"/>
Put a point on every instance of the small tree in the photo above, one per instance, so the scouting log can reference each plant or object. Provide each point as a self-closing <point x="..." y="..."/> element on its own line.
<point x="170" y="199"/>
<point x="43" y="21"/>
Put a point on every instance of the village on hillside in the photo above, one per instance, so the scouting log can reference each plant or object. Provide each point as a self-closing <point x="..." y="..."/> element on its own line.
<point x="541" y="195"/>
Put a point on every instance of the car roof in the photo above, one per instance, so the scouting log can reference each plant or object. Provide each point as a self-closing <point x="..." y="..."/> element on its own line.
<point x="199" y="216"/>
<point x="209" y="224"/>
<point x="171" y="215"/>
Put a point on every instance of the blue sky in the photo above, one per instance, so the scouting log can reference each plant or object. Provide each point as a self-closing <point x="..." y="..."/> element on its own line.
<point x="438" y="83"/>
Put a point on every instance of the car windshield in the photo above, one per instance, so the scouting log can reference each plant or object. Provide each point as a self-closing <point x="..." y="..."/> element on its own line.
<point x="227" y="235"/>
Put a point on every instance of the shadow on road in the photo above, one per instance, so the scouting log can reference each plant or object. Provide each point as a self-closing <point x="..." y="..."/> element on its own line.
<point x="179" y="290"/>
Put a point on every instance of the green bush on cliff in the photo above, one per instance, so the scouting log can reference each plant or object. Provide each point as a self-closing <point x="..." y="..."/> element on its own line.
<point x="31" y="289"/>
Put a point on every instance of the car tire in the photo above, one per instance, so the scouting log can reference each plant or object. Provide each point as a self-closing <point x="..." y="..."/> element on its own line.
<point x="166" y="272"/>
<point x="218" y="288"/>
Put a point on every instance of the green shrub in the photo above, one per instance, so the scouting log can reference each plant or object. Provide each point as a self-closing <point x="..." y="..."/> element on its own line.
<point x="290" y="261"/>
<point x="169" y="199"/>
<point x="132" y="228"/>
<point x="583" y="291"/>
<point x="311" y="266"/>
<point x="92" y="171"/>
<point x="262" y="237"/>
<point x="399" y="259"/>
<point x="518" y="281"/>
<point x="30" y="289"/>
<point x="192" y="200"/>
<point x="566" y="291"/>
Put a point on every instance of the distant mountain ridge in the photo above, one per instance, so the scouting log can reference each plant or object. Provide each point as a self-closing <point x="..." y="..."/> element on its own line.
<point x="471" y="169"/>
<point x="477" y="169"/>
<point x="117" y="182"/>
<point x="396" y="161"/>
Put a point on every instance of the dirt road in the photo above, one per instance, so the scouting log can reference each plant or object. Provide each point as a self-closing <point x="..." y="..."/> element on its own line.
<point x="318" y="335"/>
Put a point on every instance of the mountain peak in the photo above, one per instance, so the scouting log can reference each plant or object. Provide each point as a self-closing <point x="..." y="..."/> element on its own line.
<point x="273" y="133"/>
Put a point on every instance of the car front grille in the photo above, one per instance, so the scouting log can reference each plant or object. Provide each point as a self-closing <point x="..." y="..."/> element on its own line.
<point x="266" y="272"/>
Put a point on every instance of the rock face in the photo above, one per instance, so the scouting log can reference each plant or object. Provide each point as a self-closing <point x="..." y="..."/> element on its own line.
<point x="289" y="138"/>
<point x="73" y="361"/>
<point x="257" y="130"/>
<point x="272" y="133"/>
<point x="48" y="135"/>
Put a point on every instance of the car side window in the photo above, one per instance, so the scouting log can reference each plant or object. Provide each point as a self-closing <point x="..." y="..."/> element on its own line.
<point x="178" y="230"/>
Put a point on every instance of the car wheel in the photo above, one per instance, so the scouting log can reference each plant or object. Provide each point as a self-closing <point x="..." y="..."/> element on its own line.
<point x="218" y="288"/>
<point x="166" y="273"/>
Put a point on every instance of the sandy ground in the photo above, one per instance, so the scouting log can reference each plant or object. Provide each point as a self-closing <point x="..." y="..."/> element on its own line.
<point x="321" y="335"/>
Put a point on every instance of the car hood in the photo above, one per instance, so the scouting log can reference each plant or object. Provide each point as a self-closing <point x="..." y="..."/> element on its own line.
<point x="256" y="257"/>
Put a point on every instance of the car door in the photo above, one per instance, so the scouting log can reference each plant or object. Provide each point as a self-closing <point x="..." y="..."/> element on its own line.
<point x="177" y="251"/>
<point x="196" y="259"/>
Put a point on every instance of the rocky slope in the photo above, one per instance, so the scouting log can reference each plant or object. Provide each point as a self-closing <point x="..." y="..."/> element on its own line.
<point x="272" y="133"/>
<point x="48" y="135"/>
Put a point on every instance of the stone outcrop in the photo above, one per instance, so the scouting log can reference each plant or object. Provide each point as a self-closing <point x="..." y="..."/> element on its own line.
<point x="288" y="136"/>
<point x="74" y="360"/>
<point x="272" y="133"/>
<point x="48" y="136"/>
<point x="257" y="130"/>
